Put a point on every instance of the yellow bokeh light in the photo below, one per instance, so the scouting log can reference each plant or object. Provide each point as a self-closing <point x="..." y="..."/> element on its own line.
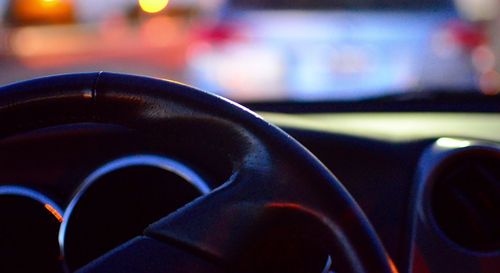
<point x="50" y="3"/>
<point x="153" y="6"/>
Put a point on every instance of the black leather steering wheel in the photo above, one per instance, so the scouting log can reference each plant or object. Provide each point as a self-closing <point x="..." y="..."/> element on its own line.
<point x="280" y="209"/>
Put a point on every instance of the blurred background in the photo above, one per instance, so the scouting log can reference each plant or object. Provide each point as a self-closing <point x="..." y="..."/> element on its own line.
<point x="262" y="50"/>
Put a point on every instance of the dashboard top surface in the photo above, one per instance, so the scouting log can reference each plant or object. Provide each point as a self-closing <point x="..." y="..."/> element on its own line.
<point x="395" y="127"/>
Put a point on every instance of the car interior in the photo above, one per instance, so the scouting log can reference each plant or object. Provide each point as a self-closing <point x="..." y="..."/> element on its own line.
<point x="130" y="171"/>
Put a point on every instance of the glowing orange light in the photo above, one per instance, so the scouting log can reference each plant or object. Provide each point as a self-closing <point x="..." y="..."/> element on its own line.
<point x="159" y="31"/>
<point x="483" y="59"/>
<point x="153" y="6"/>
<point x="393" y="266"/>
<point x="489" y="83"/>
<point x="54" y="212"/>
<point x="43" y="11"/>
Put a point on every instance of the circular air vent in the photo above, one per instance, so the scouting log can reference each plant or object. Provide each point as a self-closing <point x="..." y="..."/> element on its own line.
<point x="465" y="200"/>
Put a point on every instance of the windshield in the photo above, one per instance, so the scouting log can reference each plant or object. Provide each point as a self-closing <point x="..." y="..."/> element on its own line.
<point x="262" y="50"/>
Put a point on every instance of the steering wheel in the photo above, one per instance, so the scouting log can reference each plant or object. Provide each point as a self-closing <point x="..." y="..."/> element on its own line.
<point x="280" y="209"/>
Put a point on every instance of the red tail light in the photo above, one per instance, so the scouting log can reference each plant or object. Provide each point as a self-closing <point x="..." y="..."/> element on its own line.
<point x="219" y="33"/>
<point x="467" y="35"/>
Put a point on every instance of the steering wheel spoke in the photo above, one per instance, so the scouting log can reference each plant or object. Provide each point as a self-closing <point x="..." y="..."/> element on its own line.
<point x="213" y="224"/>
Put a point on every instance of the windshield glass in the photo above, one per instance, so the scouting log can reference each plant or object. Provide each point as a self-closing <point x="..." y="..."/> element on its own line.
<point x="262" y="50"/>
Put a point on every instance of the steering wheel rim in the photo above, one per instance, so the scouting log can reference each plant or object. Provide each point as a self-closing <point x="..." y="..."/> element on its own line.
<point x="270" y="178"/>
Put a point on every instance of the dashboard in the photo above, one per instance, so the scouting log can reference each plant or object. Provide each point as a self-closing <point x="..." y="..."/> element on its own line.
<point x="428" y="182"/>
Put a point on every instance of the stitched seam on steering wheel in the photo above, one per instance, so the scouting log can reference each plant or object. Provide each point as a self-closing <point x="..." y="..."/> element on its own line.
<point x="93" y="106"/>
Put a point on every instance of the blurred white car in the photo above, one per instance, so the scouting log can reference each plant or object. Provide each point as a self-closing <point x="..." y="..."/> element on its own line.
<point x="330" y="49"/>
